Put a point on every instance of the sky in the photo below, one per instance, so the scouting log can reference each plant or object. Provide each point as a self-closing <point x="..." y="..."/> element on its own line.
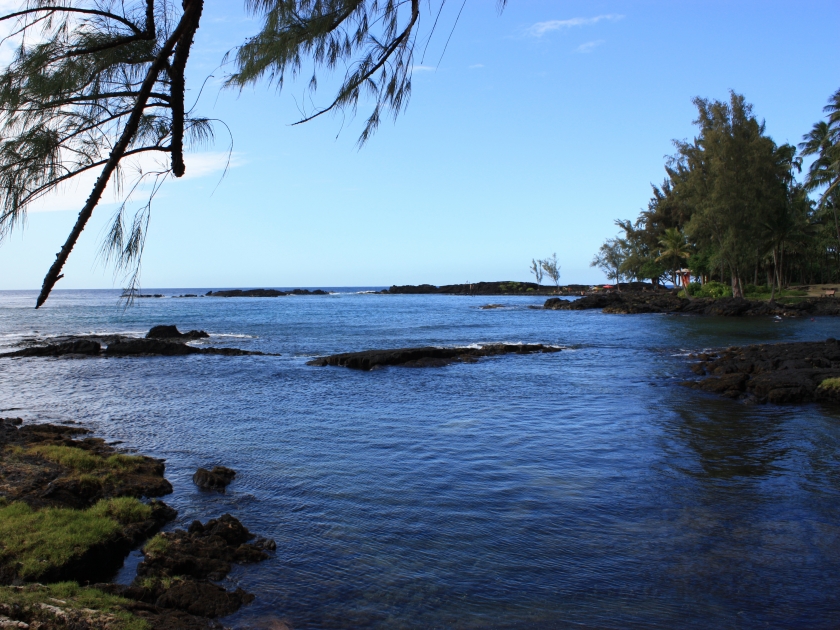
<point x="535" y="130"/>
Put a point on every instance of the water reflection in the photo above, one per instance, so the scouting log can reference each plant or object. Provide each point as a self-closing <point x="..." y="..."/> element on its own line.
<point x="731" y="440"/>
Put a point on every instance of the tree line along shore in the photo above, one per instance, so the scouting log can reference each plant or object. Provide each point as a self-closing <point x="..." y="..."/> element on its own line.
<point x="732" y="214"/>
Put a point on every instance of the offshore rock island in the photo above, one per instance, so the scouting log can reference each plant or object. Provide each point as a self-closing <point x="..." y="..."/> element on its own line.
<point x="488" y="288"/>
<point x="426" y="357"/>
<point x="159" y="341"/>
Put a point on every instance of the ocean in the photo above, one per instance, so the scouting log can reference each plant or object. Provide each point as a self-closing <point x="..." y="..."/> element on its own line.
<point x="580" y="489"/>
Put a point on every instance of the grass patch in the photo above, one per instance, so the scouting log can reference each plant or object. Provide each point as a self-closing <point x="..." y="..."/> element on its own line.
<point x="830" y="383"/>
<point x="81" y="460"/>
<point x="71" y="596"/>
<point x="43" y="539"/>
<point x="166" y="582"/>
<point x="157" y="546"/>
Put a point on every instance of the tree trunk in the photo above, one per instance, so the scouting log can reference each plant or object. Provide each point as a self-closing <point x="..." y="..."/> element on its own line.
<point x="735" y="283"/>
<point x="192" y="11"/>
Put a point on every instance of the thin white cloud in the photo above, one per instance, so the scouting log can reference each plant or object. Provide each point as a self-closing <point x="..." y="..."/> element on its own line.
<point x="72" y="195"/>
<point x="476" y="65"/>
<point x="588" y="47"/>
<point x="419" y="68"/>
<point x="541" y="28"/>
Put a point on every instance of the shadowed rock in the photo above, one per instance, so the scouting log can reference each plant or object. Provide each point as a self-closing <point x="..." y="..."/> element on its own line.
<point x="39" y="466"/>
<point x="217" y="479"/>
<point x="172" y="332"/>
<point x="179" y="566"/>
<point x="775" y="373"/>
<point x="425" y="357"/>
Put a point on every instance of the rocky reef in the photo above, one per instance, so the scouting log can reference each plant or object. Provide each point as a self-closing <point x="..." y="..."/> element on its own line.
<point x="218" y="478"/>
<point x="427" y="356"/>
<point x="163" y="340"/>
<point x="798" y="372"/>
<point x="70" y="512"/>
<point x="263" y="293"/>
<point x="49" y="477"/>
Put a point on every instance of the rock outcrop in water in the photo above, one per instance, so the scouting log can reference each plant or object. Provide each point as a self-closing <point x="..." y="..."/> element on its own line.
<point x="263" y="293"/>
<point x="159" y="341"/>
<point x="180" y="567"/>
<point x="217" y="479"/>
<point x="82" y="482"/>
<point x="487" y="288"/>
<point x="427" y="356"/>
<point x="776" y="373"/>
<point x="634" y="302"/>
<point x="46" y="466"/>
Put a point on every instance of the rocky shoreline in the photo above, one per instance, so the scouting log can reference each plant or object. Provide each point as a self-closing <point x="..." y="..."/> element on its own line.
<point x="428" y="356"/>
<point x="635" y="302"/>
<point x="70" y="512"/>
<point x="798" y="372"/>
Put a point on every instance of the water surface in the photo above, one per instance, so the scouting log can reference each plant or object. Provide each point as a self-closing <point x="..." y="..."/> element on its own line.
<point x="581" y="489"/>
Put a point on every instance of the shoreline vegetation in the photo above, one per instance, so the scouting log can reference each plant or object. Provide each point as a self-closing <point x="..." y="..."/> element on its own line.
<point x="71" y="509"/>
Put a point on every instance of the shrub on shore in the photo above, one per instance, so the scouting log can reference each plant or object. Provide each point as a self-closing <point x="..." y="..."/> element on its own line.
<point x="831" y="384"/>
<point x="709" y="290"/>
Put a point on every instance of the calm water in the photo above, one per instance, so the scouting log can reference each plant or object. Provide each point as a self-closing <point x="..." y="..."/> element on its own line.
<point x="583" y="489"/>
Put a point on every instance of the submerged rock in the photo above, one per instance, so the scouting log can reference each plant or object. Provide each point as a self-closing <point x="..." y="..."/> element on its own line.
<point x="779" y="373"/>
<point x="217" y="479"/>
<point x="426" y="357"/>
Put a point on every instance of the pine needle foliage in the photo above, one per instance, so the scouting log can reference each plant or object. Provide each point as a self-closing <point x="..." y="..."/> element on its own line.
<point x="375" y="38"/>
<point x="94" y="82"/>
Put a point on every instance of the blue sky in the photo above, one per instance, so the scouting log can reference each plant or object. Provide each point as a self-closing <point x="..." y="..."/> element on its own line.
<point x="537" y="128"/>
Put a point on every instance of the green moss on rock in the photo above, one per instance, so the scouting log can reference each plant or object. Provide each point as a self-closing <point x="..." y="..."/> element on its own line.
<point x="37" y="541"/>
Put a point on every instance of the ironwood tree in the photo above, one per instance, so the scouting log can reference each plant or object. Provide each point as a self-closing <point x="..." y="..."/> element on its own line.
<point x="94" y="82"/>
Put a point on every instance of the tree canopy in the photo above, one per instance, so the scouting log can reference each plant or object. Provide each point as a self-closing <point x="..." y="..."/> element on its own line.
<point x="731" y="207"/>
<point x="94" y="82"/>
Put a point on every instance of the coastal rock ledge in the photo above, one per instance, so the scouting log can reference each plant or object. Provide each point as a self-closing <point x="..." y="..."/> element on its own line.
<point x="635" y="302"/>
<point x="429" y="356"/>
<point x="798" y="372"/>
<point x="166" y="341"/>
